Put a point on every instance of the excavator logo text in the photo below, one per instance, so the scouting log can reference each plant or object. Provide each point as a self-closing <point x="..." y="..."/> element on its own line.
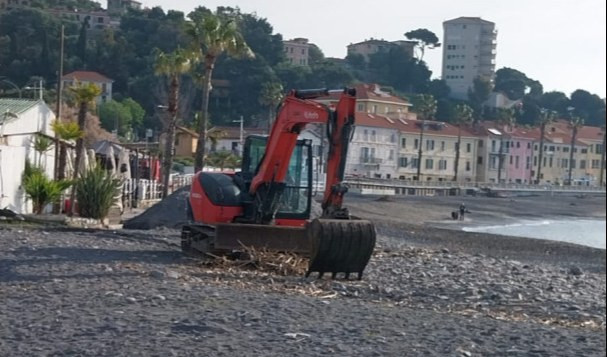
<point x="311" y="115"/>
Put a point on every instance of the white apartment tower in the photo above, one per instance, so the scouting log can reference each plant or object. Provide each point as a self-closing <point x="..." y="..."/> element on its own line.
<point x="468" y="52"/>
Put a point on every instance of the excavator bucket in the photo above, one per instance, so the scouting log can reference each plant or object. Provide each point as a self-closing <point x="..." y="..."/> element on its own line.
<point x="340" y="246"/>
<point x="333" y="246"/>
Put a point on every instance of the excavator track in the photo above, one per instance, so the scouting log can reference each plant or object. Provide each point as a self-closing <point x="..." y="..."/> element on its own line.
<point x="334" y="246"/>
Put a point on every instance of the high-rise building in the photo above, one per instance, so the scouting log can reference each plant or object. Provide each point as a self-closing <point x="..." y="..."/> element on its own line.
<point x="468" y="52"/>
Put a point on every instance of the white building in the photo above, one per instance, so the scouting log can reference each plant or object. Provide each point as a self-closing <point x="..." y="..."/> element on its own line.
<point x="21" y="120"/>
<point x="469" y="49"/>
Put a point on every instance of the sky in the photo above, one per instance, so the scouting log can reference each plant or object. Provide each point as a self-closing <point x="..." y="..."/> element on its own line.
<point x="561" y="43"/>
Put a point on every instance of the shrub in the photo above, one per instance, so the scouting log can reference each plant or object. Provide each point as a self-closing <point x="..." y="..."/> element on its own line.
<point x="40" y="189"/>
<point x="96" y="192"/>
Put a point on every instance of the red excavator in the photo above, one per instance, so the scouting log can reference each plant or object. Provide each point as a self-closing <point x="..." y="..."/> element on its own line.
<point x="268" y="203"/>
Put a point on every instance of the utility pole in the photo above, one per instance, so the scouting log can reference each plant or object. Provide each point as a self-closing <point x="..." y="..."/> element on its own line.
<point x="59" y="97"/>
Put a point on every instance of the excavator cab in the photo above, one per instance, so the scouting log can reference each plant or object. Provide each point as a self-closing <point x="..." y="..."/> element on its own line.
<point x="296" y="199"/>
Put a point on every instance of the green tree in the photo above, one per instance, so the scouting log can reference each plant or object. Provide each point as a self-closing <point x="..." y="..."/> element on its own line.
<point x="505" y="119"/>
<point x="212" y="34"/>
<point x="478" y="94"/>
<point x="425" y="106"/>
<point x="271" y="95"/>
<point x="172" y="66"/>
<point x="515" y="84"/>
<point x="137" y="112"/>
<point x="555" y="101"/>
<point x="315" y="55"/>
<point x="589" y="107"/>
<point x="425" y="39"/>
<point x="223" y="159"/>
<point x="115" y="116"/>
<point x="41" y="190"/>
<point x="546" y="117"/>
<point x="463" y="116"/>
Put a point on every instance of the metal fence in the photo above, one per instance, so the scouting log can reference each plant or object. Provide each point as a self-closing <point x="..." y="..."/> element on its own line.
<point x="143" y="192"/>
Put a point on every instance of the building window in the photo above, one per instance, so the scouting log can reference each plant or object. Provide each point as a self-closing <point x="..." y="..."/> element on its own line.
<point x="584" y="151"/>
<point x="361" y="107"/>
<point x="429" y="144"/>
<point x="468" y="167"/>
<point x="545" y="161"/>
<point x="391" y="156"/>
<point x="403" y="161"/>
<point x="511" y="160"/>
<point x="573" y="164"/>
<point x="366" y="135"/>
<point x="442" y="164"/>
<point x="535" y="161"/>
<point x="493" y="145"/>
<point x="468" y="147"/>
<point x="518" y="144"/>
<point x="393" y="138"/>
<point x="596" y="164"/>
<point x="480" y="143"/>
<point x="565" y="164"/>
<point x="364" y="154"/>
<point x="516" y="160"/>
<point x="528" y="145"/>
<point x="373" y="136"/>
<point x="414" y="163"/>
<point x="479" y="160"/>
<point x="374" y="109"/>
<point x="416" y="144"/>
<point x="528" y="163"/>
<point x="565" y="149"/>
<point x="442" y="146"/>
<point x="429" y="164"/>
<point x="582" y="164"/>
<point x="403" y="143"/>
<point x="550" y="162"/>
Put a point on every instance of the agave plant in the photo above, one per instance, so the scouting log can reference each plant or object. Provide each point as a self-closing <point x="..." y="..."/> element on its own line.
<point x="42" y="190"/>
<point x="96" y="192"/>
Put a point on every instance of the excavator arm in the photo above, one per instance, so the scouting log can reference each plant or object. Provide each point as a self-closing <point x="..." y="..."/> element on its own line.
<point x="297" y="111"/>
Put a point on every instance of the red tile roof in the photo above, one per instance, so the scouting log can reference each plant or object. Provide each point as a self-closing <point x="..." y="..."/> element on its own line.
<point x="87" y="76"/>
<point x="370" y="91"/>
<point x="408" y="125"/>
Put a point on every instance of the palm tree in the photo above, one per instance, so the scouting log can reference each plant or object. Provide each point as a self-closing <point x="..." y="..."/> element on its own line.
<point x="463" y="116"/>
<point x="545" y="118"/>
<point x="84" y="95"/>
<point x="505" y="119"/>
<point x="171" y="65"/>
<point x="271" y="95"/>
<point x="426" y="108"/>
<point x="223" y="159"/>
<point x="65" y="131"/>
<point x="214" y="135"/>
<point x="42" y="144"/>
<point x="575" y="123"/>
<point x="212" y="34"/>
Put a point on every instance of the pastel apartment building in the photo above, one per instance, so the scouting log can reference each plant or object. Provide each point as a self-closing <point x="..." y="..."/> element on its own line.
<point x="84" y="77"/>
<point x="369" y="47"/>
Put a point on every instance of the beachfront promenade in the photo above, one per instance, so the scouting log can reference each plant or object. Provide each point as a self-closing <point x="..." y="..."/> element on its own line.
<point x="383" y="186"/>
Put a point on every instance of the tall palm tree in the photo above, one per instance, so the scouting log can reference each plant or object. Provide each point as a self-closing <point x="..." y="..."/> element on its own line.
<point x="270" y="96"/>
<point x="505" y="119"/>
<point x="65" y="132"/>
<point x="212" y="34"/>
<point x="463" y="116"/>
<point x="546" y="117"/>
<point x="575" y="123"/>
<point x="425" y="105"/>
<point x="84" y="95"/>
<point x="171" y="65"/>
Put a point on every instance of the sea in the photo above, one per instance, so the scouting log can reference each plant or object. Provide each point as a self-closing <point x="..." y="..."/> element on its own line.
<point x="579" y="231"/>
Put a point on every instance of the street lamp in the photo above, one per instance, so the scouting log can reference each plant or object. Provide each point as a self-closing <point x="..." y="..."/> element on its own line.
<point x="3" y="79"/>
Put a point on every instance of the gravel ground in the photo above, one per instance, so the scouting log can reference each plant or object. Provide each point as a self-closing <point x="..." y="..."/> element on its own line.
<point x="132" y="293"/>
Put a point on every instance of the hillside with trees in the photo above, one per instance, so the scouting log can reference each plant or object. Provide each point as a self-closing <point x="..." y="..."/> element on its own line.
<point x="244" y="85"/>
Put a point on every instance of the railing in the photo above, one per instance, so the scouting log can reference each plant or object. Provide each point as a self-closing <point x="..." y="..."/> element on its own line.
<point x="136" y="192"/>
<point x="469" y="185"/>
<point x="370" y="160"/>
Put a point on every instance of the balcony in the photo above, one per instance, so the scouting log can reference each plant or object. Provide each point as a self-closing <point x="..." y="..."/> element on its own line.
<point x="370" y="160"/>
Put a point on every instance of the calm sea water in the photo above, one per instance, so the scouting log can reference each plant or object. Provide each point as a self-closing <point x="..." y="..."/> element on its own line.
<point x="585" y="232"/>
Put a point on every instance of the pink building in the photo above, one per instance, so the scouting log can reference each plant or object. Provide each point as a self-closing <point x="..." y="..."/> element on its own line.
<point x="519" y="161"/>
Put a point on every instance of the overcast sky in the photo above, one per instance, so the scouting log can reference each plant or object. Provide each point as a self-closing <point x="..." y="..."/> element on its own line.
<point x="561" y="43"/>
